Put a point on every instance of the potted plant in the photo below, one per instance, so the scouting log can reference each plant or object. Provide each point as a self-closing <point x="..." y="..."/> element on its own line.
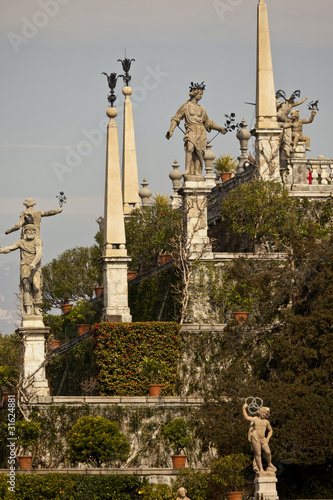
<point x="224" y="166"/>
<point x="82" y="314"/>
<point x="66" y="306"/>
<point x="240" y="316"/>
<point x="154" y="371"/>
<point x="27" y="434"/>
<point x="228" y="475"/>
<point x="177" y="434"/>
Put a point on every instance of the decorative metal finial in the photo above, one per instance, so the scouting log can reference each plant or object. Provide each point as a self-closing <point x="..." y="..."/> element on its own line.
<point x="126" y="64"/>
<point x="62" y="198"/>
<point x="313" y="105"/>
<point x="112" y="81"/>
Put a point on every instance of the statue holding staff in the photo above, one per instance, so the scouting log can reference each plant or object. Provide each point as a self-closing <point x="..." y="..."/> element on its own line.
<point x="197" y="124"/>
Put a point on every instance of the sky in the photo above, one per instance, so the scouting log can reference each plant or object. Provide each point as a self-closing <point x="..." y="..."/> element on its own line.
<point x="54" y="97"/>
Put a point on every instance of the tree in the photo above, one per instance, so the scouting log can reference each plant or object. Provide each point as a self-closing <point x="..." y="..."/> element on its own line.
<point x="96" y="440"/>
<point x="149" y="231"/>
<point x="263" y="210"/>
<point x="72" y="276"/>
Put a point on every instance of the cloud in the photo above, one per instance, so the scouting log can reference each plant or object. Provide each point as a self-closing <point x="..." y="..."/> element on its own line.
<point x="33" y="146"/>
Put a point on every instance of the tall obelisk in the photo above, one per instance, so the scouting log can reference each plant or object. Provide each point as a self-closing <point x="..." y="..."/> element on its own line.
<point x="267" y="130"/>
<point x="130" y="185"/>
<point x="130" y="165"/>
<point x="114" y="254"/>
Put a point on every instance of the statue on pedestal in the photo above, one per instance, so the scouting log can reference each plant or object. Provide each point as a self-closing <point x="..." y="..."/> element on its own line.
<point x="197" y="124"/>
<point x="259" y="426"/>
<point x="30" y="269"/>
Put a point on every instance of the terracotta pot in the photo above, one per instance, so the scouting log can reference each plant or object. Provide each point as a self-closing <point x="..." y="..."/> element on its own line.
<point x="131" y="275"/>
<point x="155" y="389"/>
<point x="25" y="461"/>
<point x="66" y="307"/>
<point x="178" y="461"/>
<point x="165" y="257"/>
<point x="240" y="316"/>
<point x="99" y="290"/>
<point x="54" y="344"/>
<point x="6" y="395"/>
<point x="82" y="328"/>
<point x="235" y="495"/>
<point x="225" y="176"/>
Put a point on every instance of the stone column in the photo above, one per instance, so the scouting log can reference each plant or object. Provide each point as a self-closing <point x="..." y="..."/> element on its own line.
<point x="194" y="194"/>
<point x="34" y="379"/>
<point x="265" y="486"/>
<point x="114" y="254"/>
<point x="267" y="131"/>
<point x="130" y="168"/>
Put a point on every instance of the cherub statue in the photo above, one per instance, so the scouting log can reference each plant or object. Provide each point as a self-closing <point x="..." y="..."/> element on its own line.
<point x="259" y="440"/>
<point x="32" y="216"/>
<point x="197" y="124"/>
<point x="30" y="269"/>
<point x="182" y="494"/>
<point x="296" y="126"/>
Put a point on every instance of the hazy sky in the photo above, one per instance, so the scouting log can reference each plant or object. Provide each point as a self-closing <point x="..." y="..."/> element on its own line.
<point x="54" y="97"/>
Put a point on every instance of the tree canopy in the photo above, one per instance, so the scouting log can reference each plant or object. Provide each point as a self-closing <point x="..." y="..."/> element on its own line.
<point x="149" y="231"/>
<point x="72" y="276"/>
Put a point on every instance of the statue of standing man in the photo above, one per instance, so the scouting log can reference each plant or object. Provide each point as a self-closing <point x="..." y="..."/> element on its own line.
<point x="197" y="124"/>
<point x="31" y="248"/>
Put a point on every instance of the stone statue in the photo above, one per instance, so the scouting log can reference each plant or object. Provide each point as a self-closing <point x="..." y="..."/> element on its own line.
<point x="32" y="216"/>
<point x="182" y="494"/>
<point x="296" y="126"/>
<point x="257" y="436"/>
<point x="197" y="124"/>
<point x="283" y="108"/>
<point x="30" y="269"/>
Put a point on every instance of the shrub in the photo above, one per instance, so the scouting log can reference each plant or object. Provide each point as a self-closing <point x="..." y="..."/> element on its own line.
<point x="196" y="483"/>
<point x="96" y="440"/>
<point x="228" y="474"/>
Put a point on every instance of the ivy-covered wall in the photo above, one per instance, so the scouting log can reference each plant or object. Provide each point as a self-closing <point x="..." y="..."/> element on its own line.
<point x="154" y="298"/>
<point x="141" y="424"/>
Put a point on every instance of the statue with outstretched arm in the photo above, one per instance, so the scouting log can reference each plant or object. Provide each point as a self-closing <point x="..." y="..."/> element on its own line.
<point x="31" y="248"/>
<point x="32" y="216"/>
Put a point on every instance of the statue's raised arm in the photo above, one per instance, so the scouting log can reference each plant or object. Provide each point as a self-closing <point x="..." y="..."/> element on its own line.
<point x="32" y="216"/>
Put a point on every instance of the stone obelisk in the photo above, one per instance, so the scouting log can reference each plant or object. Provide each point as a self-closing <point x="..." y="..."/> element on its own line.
<point x="114" y="254"/>
<point x="267" y="131"/>
<point x="130" y="167"/>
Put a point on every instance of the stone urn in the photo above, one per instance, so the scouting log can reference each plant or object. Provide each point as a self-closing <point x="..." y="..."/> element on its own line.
<point x="25" y="461"/>
<point x="178" y="461"/>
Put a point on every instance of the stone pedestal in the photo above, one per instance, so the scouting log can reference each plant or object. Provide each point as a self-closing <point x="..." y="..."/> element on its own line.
<point x="34" y="380"/>
<point x="265" y="486"/>
<point x="194" y="193"/>
<point x="115" y="289"/>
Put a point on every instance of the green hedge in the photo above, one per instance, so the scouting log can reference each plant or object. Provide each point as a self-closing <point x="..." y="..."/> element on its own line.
<point x="120" y="349"/>
<point x="72" y="487"/>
